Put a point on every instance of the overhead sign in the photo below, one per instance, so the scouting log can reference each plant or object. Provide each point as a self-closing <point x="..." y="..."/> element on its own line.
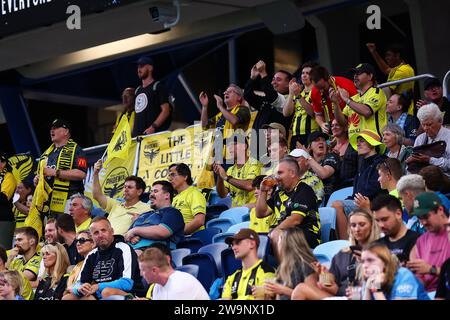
<point x="23" y="15"/>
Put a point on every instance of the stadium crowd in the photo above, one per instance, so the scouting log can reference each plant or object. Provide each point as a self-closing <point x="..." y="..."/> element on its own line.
<point x="346" y="196"/>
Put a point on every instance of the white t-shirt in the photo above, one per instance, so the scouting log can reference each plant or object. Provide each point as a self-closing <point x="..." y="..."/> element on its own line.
<point x="180" y="286"/>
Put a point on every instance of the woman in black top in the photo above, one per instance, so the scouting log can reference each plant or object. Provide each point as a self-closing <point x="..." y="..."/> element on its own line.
<point x="54" y="282"/>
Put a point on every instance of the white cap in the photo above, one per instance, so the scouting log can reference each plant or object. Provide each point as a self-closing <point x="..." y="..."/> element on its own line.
<point x="296" y="153"/>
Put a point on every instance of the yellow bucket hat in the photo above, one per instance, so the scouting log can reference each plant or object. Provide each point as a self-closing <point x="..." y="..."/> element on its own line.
<point x="371" y="137"/>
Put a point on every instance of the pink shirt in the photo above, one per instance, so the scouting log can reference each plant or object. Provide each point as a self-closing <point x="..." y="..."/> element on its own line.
<point x="434" y="249"/>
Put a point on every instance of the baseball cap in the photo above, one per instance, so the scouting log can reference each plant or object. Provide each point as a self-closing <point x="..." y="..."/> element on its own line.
<point x="296" y="153"/>
<point x="371" y="137"/>
<point x="315" y="135"/>
<point x="276" y="125"/>
<point x="364" y="67"/>
<point x="243" y="234"/>
<point x="60" y="123"/>
<point x="431" y="82"/>
<point x="144" y="60"/>
<point x="426" y="202"/>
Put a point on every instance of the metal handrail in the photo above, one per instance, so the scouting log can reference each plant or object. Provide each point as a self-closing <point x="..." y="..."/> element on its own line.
<point x="418" y="77"/>
<point x="444" y="84"/>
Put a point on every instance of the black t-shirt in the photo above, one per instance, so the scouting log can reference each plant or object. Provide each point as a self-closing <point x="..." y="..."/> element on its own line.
<point x="148" y="107"/>
<point x="329" y="184"/>
<point x="443" y="288"/>
<point x="79" y="162"/>
<point x="44" y="292"/>
<point x="301" y="200"/>
<point x="72" y="252"/>
<point x="446" y="108"/>
<point x="402" y="247"/>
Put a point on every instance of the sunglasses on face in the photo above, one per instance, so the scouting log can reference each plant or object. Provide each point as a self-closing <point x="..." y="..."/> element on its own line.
<point x="83" y="240"/>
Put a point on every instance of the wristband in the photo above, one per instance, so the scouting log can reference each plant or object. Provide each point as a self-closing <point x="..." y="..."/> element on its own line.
<point x="348" y="101"/>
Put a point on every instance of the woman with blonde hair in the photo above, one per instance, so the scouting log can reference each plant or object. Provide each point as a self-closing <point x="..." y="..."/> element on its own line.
<point x="384" y="279"/>
<point x="85" y="244"/>
<point x="362" y="230"/>
<point x="54" y="282"/>
<point x="298" y="264"/>
<point x="11" y="285"/>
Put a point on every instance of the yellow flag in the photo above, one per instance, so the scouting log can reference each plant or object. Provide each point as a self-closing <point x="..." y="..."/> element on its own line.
<point x="120" y="143"/>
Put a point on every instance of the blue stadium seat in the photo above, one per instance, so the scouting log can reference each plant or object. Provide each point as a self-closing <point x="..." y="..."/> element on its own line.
<point x="235" y="214"/>
<point x="207" y="272"/>
<point x="236" y="227"/>
<point x="327" y="223"/>
<point x="178" y="255"/>
<point x="329" y="249"/>
<point x="246" y="217"/>
<point x="220" y="237"/>
<point x="191" y="243"/>
<point x="97" y="212"/>
<point x="340" y="194"/>
<point x="206" y="235"/>
<point x="214" y="211"/>
<point x="222" y="223"/>
<point x="189" y="268"/>
<point x="229" y="263"/>
<point x="215" y="250"/>
<point x="215" y="199"/>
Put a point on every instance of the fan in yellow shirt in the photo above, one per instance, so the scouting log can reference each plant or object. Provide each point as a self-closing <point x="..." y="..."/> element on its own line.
<point x="365" y="110"/>
<point x="237" y="180"/>
<point x="396" y="69"/>
<point x="189" y="200"/>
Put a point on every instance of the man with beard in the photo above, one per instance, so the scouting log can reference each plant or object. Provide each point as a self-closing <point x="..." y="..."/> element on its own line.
<point x="365" y="110"/>
<point x="23" y="257"/>
<point x="121" y="214"/>
<point x="152" y="106"/>
<point x="163" y="224"/>
<point x="110" y="269"/>
<point x="293" y="202"/>
<point x="387" y="211"/>
<point x="50" y="231"/>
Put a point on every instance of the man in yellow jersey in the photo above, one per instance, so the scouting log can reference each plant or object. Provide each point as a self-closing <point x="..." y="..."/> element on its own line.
<point x="237" y="180"/>
<point x="189" y="200"/>
<point x="254" y="271"/>
<point x="293" y="202"/>
<point x="27" y="291"/>
<point x="277" y="151"/>
<point x="395" y="68"/>
<point x="80" y="209"/>
<point x="365" y="110"/>
<point x="20" y="209"/>
<point x="299" y="103"/>
<point x="121" y="214"/>
<point x="232" y="114"/>
<point x="128" y="100"/>
<point x="23" y="257"/>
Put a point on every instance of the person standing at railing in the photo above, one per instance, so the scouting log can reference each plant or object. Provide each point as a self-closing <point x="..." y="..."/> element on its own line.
<point x="433" y="92"/>
<point x="395" y="68"/>
<point x="153" y="111"/>
<point x="128" y="101"/>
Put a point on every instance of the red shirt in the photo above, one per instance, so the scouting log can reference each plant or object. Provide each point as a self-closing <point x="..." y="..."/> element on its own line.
<point x="316" y="96"/>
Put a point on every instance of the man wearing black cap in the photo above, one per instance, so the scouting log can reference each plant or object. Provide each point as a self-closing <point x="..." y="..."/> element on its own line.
<point x="433" y="93"/>
<point x="366" y="109"/>
<point x="65" y="168"/>
<point x="152" y="107"/>
<point x="325" y="165"/>
<point x="254" y="271"/>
